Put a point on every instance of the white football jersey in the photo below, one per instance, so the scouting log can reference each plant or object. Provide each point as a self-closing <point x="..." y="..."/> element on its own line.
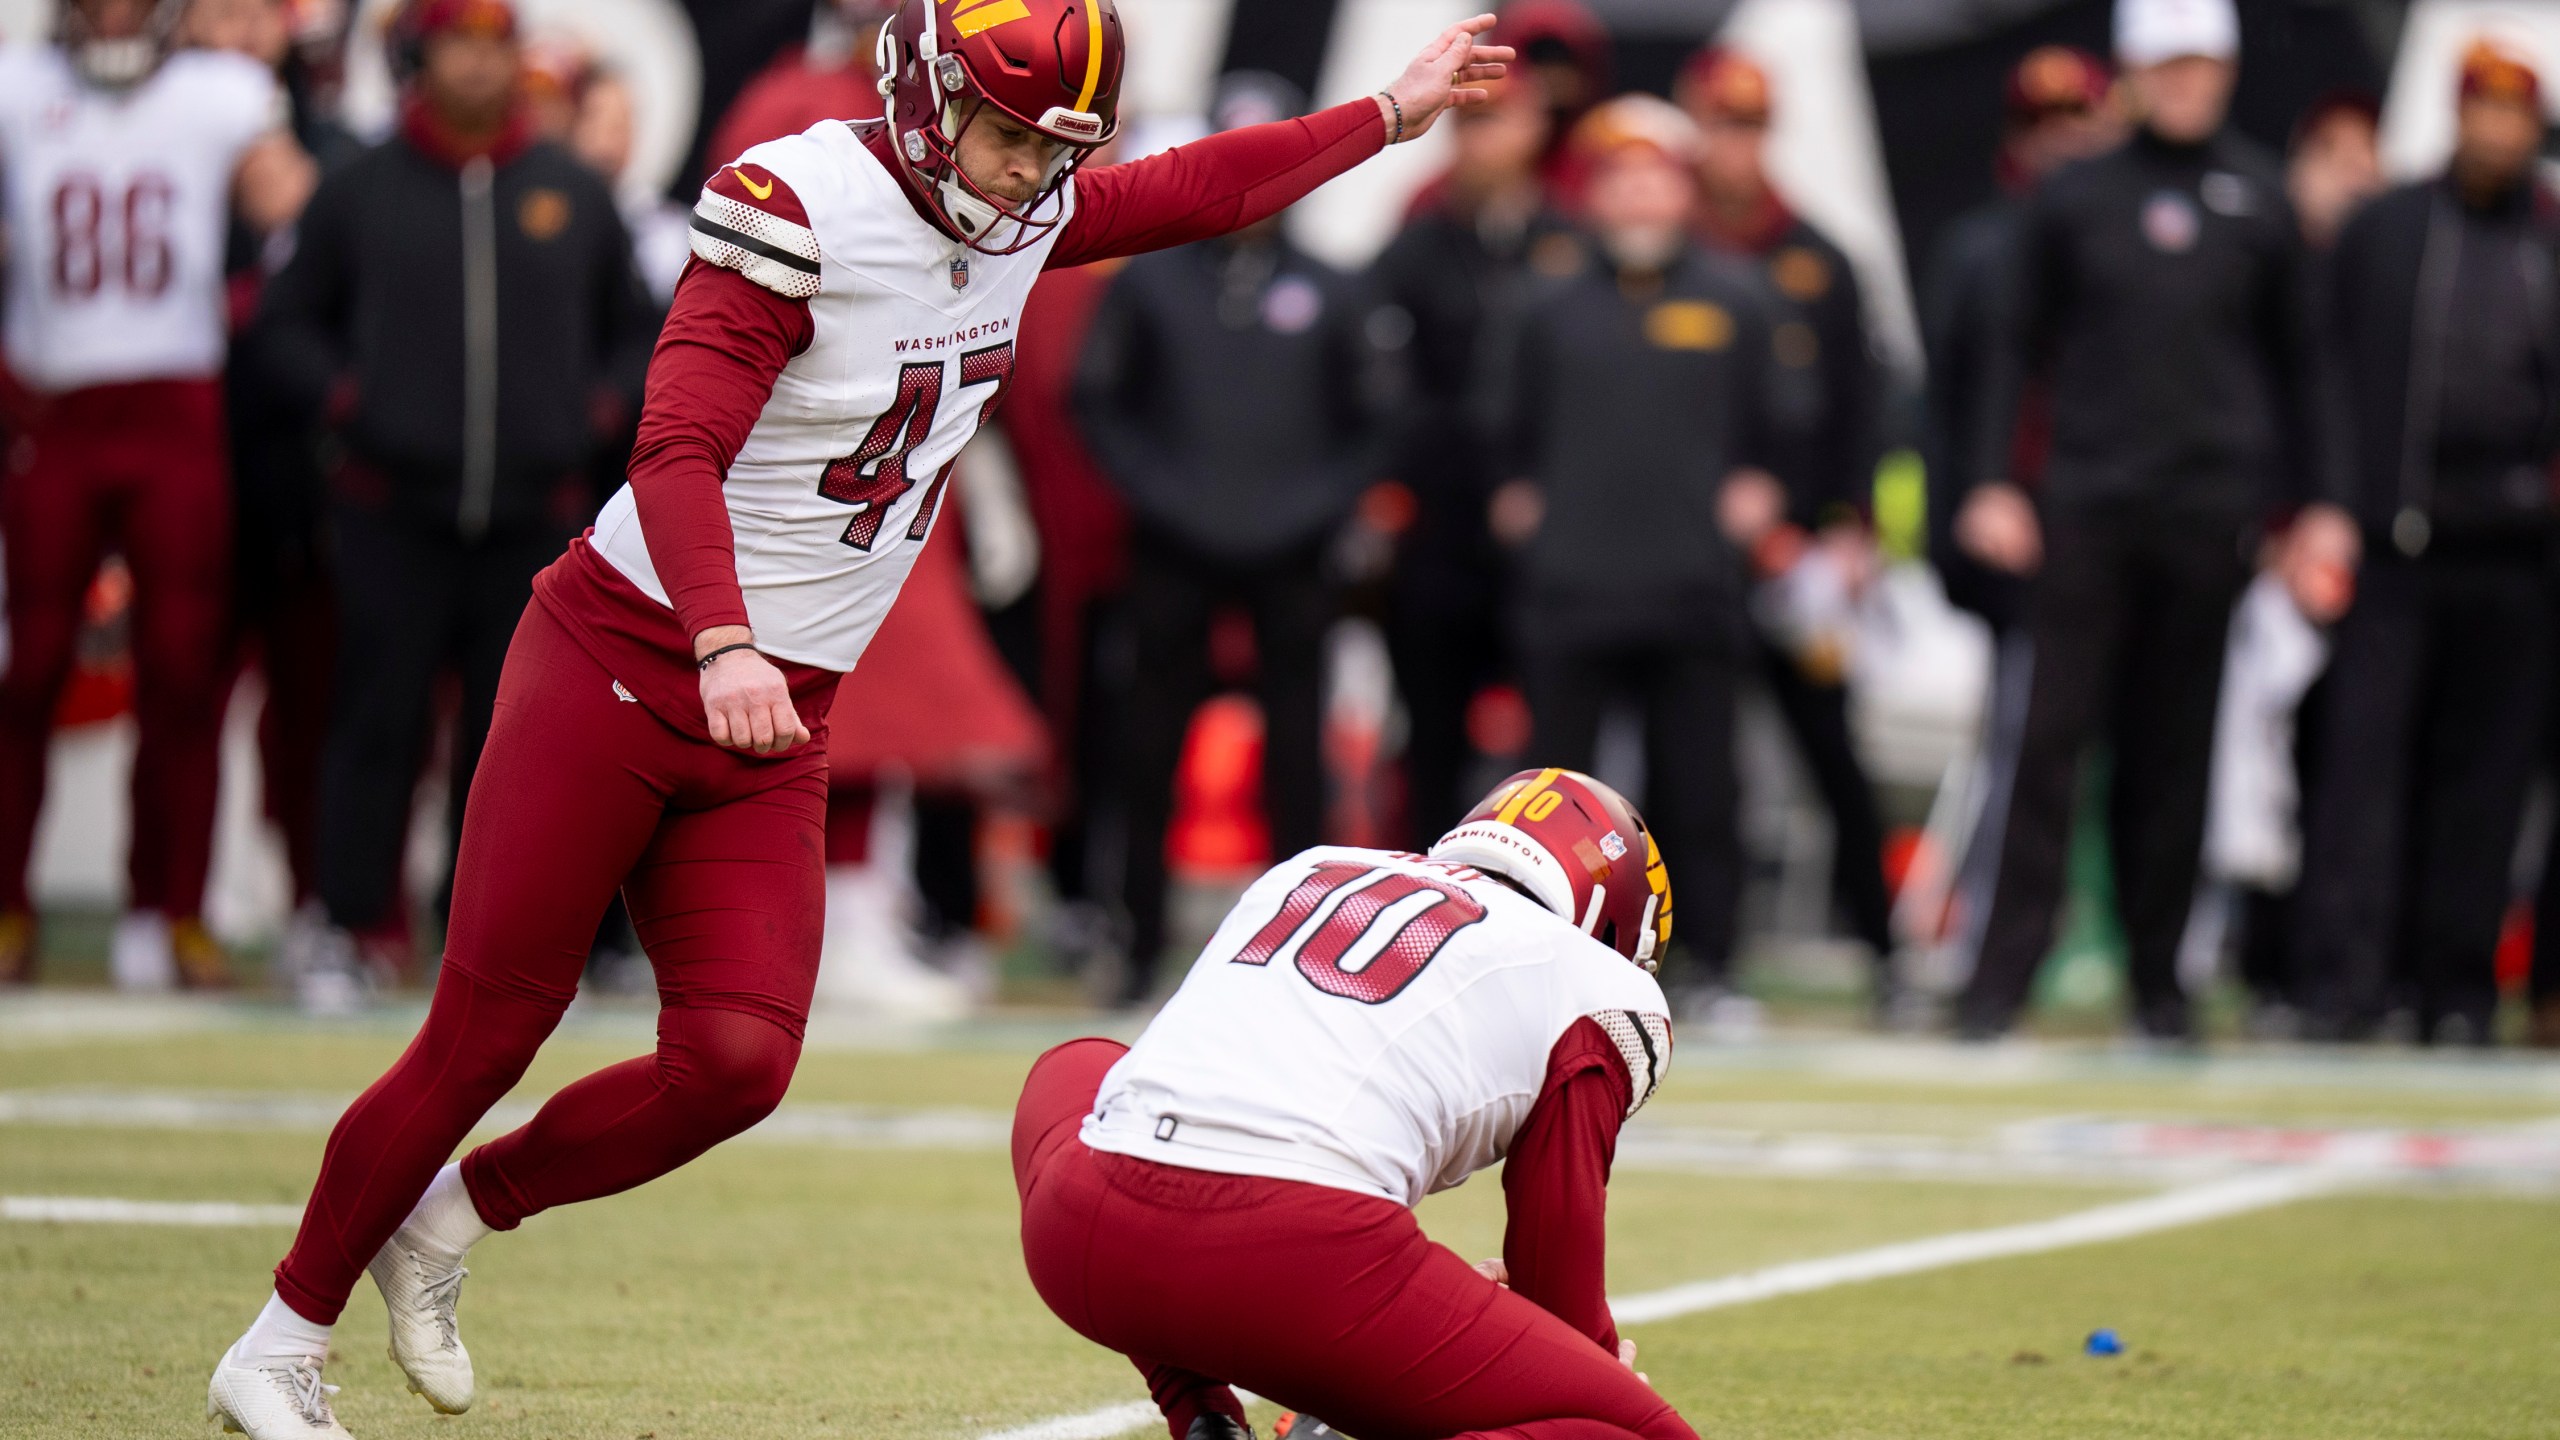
<point x="836" y="489"/>
<point x="117" y="204"/>
<point x="1371" y="1021"/>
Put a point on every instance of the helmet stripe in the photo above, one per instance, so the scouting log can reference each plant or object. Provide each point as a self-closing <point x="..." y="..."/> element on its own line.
<point x="1092" y="53"/>
<point x="1511" y="808"/>
<point x="988" y="15"/>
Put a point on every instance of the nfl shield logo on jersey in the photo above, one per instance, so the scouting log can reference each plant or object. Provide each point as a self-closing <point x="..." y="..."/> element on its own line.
<point x="960" y="272"/>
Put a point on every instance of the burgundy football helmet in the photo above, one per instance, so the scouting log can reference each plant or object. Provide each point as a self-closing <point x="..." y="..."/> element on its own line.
<point x="1051" y="65"/>
<point x="1577" y="847"/>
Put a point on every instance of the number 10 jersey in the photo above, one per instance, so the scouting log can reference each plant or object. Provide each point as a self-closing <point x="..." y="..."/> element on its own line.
<point x="1375" y="1022"/>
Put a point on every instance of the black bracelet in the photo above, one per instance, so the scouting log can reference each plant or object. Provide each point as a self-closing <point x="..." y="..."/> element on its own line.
<point x="1392" y="104"/>
<point x="705" y="662"/>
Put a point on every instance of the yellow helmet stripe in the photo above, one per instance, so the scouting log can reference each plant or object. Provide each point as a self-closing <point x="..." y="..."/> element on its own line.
<point x="1510" y="812"/>
<point x="1092" y="53"/>
<point x="979" y="15"/>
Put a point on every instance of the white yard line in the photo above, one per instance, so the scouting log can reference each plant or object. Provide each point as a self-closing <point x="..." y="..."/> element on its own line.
<point x="1099" y="1424"/>
<point x="2190" y="1205"/>
<point x="94" y="1210"/>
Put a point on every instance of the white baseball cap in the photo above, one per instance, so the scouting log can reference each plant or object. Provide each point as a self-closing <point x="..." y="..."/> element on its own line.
<point x="2149" y="32"/>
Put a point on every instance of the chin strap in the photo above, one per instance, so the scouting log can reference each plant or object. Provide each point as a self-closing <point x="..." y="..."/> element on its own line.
<point x="975" y="217"/>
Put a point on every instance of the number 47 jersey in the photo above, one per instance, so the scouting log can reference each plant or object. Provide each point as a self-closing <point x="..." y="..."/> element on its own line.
<point x="833" y="494"/>
<point x="1375" y="1022"/>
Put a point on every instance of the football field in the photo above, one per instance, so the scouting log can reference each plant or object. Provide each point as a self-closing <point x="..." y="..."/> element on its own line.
<point x="1811" y="1236"/>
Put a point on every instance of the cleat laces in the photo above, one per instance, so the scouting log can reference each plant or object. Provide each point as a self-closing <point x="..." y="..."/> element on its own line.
<point x="301" y="1384"/>
<point x="442" y="1293"/>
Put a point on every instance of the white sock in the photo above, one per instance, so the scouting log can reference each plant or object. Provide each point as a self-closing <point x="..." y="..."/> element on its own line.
<point x="445" y="1221"/>
<point x="280" y="1334"/>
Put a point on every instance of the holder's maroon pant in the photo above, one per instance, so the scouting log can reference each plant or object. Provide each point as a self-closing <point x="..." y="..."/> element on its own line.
<point x="1329" y="1302"/>
<point x="719" y="856"/>
<point x="143" y="469"/>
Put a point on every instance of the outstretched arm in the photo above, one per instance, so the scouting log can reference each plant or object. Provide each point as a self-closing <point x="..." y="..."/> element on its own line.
<point x="1229" y="181"/>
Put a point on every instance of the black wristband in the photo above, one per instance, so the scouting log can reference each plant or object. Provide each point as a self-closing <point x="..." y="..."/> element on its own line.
<point x="1393" y="104"/>
<point x="705" y="662"/>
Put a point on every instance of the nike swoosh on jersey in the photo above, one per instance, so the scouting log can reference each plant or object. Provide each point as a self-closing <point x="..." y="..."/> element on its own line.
<point x="761" y="192"/>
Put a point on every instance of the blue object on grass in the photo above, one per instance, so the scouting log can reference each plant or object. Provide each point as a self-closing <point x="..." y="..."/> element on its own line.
<point x="2105" y="1342"/>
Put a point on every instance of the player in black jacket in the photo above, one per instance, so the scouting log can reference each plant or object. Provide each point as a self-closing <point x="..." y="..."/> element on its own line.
<point x="2445" y="296"/>
<point x="1477" y="236"/>
<point x="2058" y="112"/>
<point x="459" y="308"/>
<point x="1634" y="392"/>
<point x="1231" y="390"/>
<point x="2161" y="288"/>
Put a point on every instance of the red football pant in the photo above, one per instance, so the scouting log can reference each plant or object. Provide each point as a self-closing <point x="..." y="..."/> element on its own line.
<point x="717" y="854"/>
<point x="141" y="468"/>
<point x="1323" y="1300"/>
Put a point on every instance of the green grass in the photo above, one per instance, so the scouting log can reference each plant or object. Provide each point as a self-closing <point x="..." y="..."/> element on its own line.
<point x="774" y="1290"/>
<point x="2366" y="1316"/>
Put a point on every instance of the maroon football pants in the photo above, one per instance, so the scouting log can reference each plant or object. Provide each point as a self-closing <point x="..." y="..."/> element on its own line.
<point x="719" y="858"/>
<point x="1323" y="1300"/>
<point x="141" y="469"/>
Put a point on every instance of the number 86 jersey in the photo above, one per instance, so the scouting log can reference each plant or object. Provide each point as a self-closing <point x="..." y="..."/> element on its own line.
<point x="1375" y="1022"/>
<point x="116" y="204"/>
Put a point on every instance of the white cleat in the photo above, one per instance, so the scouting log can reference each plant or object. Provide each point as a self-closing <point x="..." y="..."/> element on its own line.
<point x="272" y="1399"/>
<point x="422" y="1292"/>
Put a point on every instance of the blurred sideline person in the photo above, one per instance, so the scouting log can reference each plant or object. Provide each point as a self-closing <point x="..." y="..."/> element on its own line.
<point x="1073" y="664"/>
<point x="2271" y="687"/>
<point x="662" y="729"/>
<point x="829" y="76"/>
<point x="461" y="312"/>
<point x="1633" y="396"/>
<point x="2161" y="286"/>
<point x="2334" y="166"/>
<point x="1230" y="389"/>
<point x="1825" y="397"/>
<point x="602" y="134"/>
<point x="2445" y="300"/>
<point x="122" y="162"/>
<point x="1368" y="1028"/>
<point x="1566" y="64"/>
<point x="2060" y="108"/>
<point x="935" y="729"/>
<point x="1482" y="233"/>
<point x="580" y="103"/>
<point x="282" y="611"/>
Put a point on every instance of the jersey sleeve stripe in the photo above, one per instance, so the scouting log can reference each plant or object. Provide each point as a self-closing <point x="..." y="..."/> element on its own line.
<point x="722" y="234"/>
<point x="776" y="253"/>
<point x="785" y="235"/>
<point x="1644" y="1045"/>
